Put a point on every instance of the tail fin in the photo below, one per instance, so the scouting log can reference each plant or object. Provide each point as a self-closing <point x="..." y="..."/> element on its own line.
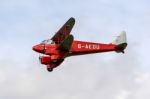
<point x="120" y="42"/>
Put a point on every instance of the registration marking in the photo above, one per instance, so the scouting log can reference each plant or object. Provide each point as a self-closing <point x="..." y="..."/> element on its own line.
<point x="88" y="46"/>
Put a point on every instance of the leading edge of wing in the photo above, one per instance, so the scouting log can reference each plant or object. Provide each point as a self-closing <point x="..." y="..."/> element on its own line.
<point x="64" y="31"/>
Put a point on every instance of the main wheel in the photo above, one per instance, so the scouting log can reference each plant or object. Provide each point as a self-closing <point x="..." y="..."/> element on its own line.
<point x="50" y="69"/>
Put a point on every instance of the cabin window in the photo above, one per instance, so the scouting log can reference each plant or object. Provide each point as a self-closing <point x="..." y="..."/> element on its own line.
<point x="49" y="41"/>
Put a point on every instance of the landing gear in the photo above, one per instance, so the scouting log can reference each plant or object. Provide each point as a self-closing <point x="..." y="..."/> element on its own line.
<point x="53" y="64"/>
<point x="50" y="69"/>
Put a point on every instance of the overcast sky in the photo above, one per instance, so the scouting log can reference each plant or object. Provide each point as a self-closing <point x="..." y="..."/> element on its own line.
<point x="24" y="23"/>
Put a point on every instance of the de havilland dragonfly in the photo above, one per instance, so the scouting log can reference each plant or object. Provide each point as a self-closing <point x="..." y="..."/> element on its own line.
<point x="63" y="45"/>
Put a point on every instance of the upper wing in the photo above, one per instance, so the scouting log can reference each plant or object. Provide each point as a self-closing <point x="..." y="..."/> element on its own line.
<point x="64" y="31"/>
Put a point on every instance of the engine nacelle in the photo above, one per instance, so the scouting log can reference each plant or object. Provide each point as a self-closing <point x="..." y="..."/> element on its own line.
<point x="45" y="60"/>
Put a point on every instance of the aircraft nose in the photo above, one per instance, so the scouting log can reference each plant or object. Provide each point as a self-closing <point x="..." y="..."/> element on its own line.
<point x="38" y="48"/>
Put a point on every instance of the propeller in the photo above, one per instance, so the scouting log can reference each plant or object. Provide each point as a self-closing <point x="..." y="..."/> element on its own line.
<point x="40" y="58"/>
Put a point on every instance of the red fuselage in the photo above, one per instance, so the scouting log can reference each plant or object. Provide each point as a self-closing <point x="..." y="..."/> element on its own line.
<point x="53" y="56"/>
<point x="77" y="48"/>
<point x="81" y="48"/>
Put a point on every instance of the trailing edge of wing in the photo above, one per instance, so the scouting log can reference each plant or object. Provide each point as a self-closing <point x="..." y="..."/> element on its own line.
<point x="67" y="43"/>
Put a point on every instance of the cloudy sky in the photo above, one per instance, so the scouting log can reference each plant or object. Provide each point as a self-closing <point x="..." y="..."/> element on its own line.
<point x="24" y="23"/>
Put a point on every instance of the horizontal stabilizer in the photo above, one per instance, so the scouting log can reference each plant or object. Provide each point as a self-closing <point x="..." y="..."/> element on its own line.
<point x="121" y="47"/>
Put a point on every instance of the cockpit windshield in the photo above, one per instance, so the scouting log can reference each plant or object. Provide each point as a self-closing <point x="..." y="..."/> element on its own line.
<point x="44" y="41"/>
<point x="48" y="41"/>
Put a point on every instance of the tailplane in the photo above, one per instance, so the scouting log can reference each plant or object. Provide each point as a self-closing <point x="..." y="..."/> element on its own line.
<point x="120" y="42"/>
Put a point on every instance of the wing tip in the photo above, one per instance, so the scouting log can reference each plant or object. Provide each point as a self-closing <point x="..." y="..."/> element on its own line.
<point x="72" y="19"/>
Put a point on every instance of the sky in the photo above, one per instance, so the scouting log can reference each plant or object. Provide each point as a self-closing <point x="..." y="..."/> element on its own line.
<point x="24" y="23"/>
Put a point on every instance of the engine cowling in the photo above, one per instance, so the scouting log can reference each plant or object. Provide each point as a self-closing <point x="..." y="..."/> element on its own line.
<point x="45" y="60"/>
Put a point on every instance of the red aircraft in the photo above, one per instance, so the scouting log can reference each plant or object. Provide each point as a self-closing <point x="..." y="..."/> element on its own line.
<point x="63" y="45"/>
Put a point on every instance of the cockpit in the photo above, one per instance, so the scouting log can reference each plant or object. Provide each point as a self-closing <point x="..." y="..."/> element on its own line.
<point x="48" y="41"/>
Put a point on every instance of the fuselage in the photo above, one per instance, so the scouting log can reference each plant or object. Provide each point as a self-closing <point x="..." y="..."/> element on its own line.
<point x="77" y="48"/>
<point x="81" y="48"/>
